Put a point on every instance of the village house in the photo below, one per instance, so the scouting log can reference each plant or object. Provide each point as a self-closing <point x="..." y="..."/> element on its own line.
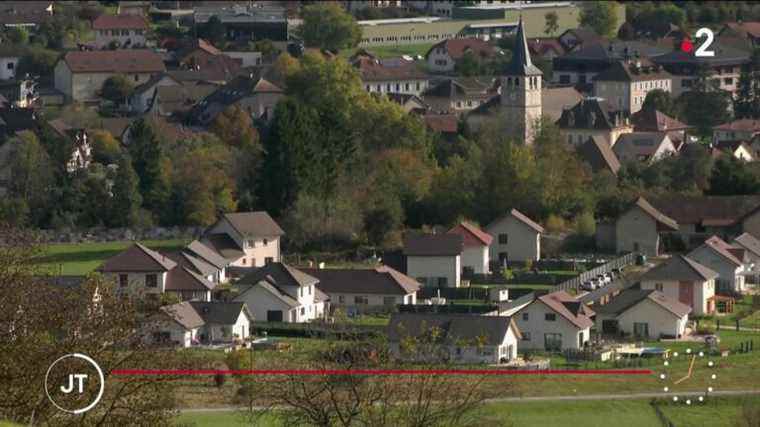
<point x="599" y="156"/>
<point x="515" y="238"/>
<point x="476" y="244"/>
<point x="574" y="38"/>
<point x="25" y="14"/>
<point x="751" y="246"/>
<point x="646" y="147"/>
<point x="9" y="57"/>
<point x="459" y="95"/>
<point x="378" y="289"/>
<point x="81" y="149"/>
<point x="593" y="117"/>
<point x="253" y="93"/>
<point x="278" y="292"/>
<point x="551" y="321"/>
<point x="736" y="149"/>
<point x="724" y="67"/>
<point x="409" y="103"/>
<point x="728" y="261"/>
<point x="80" y="74"/>
<point x="749" y="31"/>
<point x="435" y="260"/>
<point x="546" y="48"/>
<point x="121" y="31"/>
<point x="443" y="56"/>
<point x="640" y="228"/>
<point x="188" y="323"/>
<point x="625" y="84"/>
<point x="738" y="130"/>
<point x="245" y="239"/>
<point x="684" y="280"/>
<point x="141" y="271"/>
<point x="652" y="120"/>
<point x="459" y="338"/>
<point x="207" y="257"/>
<point x="397" y="76"/>
<point x="644" y="314"/>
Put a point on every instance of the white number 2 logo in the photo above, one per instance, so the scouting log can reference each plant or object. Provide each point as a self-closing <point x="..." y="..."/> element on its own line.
<point x="703" y="48"/>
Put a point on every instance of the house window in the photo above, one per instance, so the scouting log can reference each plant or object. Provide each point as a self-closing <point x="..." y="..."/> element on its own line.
<point x="526" y="336"/>
<point x="389" y="300"/>
<point x="361" y="300"/>
<point x="265" y="242"/>
<point x="503" y="239"/>
<point x="564" y="79"/>
<point x="253" y="262"/>
<point x="550" y="317"/>
<point x="309" y="290"/>
<point x="388" y="87"/>
<point x="245" y="261"/>
<point x="151" y="280"/>
<point x="728" y="80"/>
<point x="11" y="65"/>
<point x="641" y="329"/>
<point x="124" y="32"/>
<point x="341" y="299"/>
<point x="137" y="78"/>
<point x="553" y="342"/>
<point x="442" y="282"/>
<point x="525" y="316"/>
<point x="268" y="260"/>
<point x="123" y="280"/>
<point x="658" y="286"/>
<point x="303" y="311"/>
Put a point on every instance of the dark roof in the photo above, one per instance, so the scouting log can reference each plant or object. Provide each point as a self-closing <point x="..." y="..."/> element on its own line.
<point x="609" y="51"/>
<point x="219" y="313"/>
<point x="372" y="70"/>
<point x="472" y="234"/>
<point x="656" y="214"/>
<point x="722" y="248"/>
<point x="193" y="262"/>
<point x="488" y="330"/>
<point x="224" y="245"/>
<point x="521" y="65"/>
<point x="456" y="48"/>
<point x="114" y="61"/>
<point x="207" y="254"/>
<point x="724" y="55"/>
<point x="592" y="113"/>
<point x="25" y="12"/>
<point x="182" y="278"/>
<point x="17" y="119"/>
<point x="749" y="242"/>
<point x="238" y="88"/>
<point x="253" y="224"/>
<point x="681" y="268"/>
<point x="569" y="308"/>
<point x="280" y="274"/>
<point x="113" y="22"/>
<point x="629" y="298"/>
<point x="381" y="280"/>
<point x="598" y="154"/>
<point x="520" y="217"/>
<point x="184" y="314"/>
<point x="177" y="99"/>
<point x="706" y="210"/>
<point x="652" y="120"/>
<point x="433" y="244"/>
<point x="137" y="258"/>
<point x="632" y="70"/>
<point x="742" y="125"/>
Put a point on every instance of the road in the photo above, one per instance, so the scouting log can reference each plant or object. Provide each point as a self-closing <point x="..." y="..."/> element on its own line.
<point x="631" y="396"/>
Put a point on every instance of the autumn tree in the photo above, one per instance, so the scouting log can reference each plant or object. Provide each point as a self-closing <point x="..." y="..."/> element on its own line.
<point x="31" y="176"/>
<point x="552" y="24"/>
<point x="127" y="200"/>
<point x="105" y="148"/>
<point x="117" y="89"/>
<point x="328" y="26"/>
<point x="235" y="127"/>
<point x="601" y="16"/>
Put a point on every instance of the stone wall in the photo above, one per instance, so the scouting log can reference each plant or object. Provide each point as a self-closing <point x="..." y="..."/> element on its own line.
<point x="118" y="234"/>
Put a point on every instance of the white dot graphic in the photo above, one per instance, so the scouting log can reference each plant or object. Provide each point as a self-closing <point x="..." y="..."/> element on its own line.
<point x="662" y="376"/>
<point x="666" y="363"/>
<point x="688" y="351"/>
<point x="701" y="399"/>
<point x="710" y="389"/>
<point x="701" y="354"/>
<point x="714" y="376"/>
<point x="675" y="354"/>
<point x="675" y="398"/>
<point x="688" y="402"/>
<point x="710" y="363"/>
<point x="665" y="389"/>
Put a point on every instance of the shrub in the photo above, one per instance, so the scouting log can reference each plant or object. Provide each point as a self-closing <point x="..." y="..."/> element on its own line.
<point x="507" y="274"/>
<point x="585" y="224"/>
<point x="705" y="330"/>
<point x="555" y="224"/>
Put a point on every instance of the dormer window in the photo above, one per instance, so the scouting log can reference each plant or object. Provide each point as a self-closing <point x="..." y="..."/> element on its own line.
<point x="265" y="242"/>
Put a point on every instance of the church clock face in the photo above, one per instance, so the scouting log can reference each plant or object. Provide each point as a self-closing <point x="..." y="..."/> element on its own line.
<point x="681" y="370"/>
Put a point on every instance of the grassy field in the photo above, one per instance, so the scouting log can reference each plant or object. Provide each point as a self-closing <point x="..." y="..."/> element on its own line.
<point x="625" y="413"/>
<point x="83" y="258"/>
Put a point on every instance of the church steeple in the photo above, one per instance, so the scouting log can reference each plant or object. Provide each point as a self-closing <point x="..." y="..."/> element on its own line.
<point x="521" y="65"/>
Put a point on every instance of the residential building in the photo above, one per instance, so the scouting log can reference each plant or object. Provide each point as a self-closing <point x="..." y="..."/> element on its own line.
<point x="652" y="120"/>
<point x="724" y="67"/>
<point x="515" y="238"/>
<point x="728" y="261"/>
<point x="640" y="228"/>
<point x="546" y="48"/>
<point x="80" y="74"/>
<point x="646" y="147"/>
<point x="25" y="14"/>
<point x="751" y="246"/>
<point x="9" y="57"/>
<point x="434" y="259"/>
<point x="365" y="290"/>
<point x="521" y="91"/>
<point x="459" y="338"/>
<point x="355" y="5"/>
<point x="581" y="65"/>
<point x="599" y="156"/>
<point x="143" y="96"/>
<point x="192" y="323"/>
<point x="399" y="77"/>
<point x="246" y="22"/>
<point x="245" y="239"/>
<point x="476" y="244"/>
<point x="625" y="84"/>
<point x="736" y="149"/>
<point x="746" y="30"/>
<point x="81" y="149"/>
<point x="644" y="314"/>
<point x="443" y="56"/>
<point x="459" y="95"/>
<point x="409" y="103"/>
<point x="738" y="130"/>
<point x="141" y="271"/>
<point x="576" y="38"/>
<point x="253" y="93"/>
<point x="21" y="93"/>
<point x="125" y="31"/>
<point x="593" y="117"/>
<point x="555" y="100"/>
<point x="208" y="256"/>
<point x="446" y="125"/>
<point x="278" y="292"/>
<point x="685" y="280"/>
<point x="551" y="321"/>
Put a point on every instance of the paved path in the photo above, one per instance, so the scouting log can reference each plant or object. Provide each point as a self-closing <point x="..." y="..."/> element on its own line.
<point x="631" y="396"/>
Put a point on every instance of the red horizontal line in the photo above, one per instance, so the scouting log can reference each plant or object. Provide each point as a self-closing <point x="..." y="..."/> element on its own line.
<point x="381" y="372"/>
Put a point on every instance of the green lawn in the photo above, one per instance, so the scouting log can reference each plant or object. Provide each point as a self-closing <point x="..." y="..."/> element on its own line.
<point x="83" y="258"/>
<point x="221" y="419"/>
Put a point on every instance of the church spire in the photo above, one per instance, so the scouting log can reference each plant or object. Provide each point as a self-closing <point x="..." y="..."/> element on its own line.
<point x="521" y="65"/>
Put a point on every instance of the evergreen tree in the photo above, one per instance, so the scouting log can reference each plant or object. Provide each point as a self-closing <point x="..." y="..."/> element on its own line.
<point x="151" y="165"/>
<point x="126" y="200"/>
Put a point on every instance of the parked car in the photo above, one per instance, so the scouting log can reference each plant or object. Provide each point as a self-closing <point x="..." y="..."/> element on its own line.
<point x="587" y="286"/>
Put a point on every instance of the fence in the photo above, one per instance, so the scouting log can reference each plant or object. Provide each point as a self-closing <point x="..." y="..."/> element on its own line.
<point x="317" y="330"/>
<point x="576" y="282"/>
<point x="448" y="308"/>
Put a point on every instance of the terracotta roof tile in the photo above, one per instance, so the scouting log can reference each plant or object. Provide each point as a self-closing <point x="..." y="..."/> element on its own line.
<point x="456" y="48"/>
<point x="473" y="235"/>
<point x="557" y="301"/>
<point x="113" y="22"/>
<point x="115" y="61"/>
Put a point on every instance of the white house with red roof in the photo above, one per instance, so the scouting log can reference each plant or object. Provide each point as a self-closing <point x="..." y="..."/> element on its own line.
<point x="515" y="238"/>
<point x="442" y="57"/>
<point x="738" y="130"/>
<point x="552" y="322"/>
<point x="684" y="280"/>
<point x="727" y="260"/>
<point x="128" y="31"/>
<point x="475" y="253"/>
